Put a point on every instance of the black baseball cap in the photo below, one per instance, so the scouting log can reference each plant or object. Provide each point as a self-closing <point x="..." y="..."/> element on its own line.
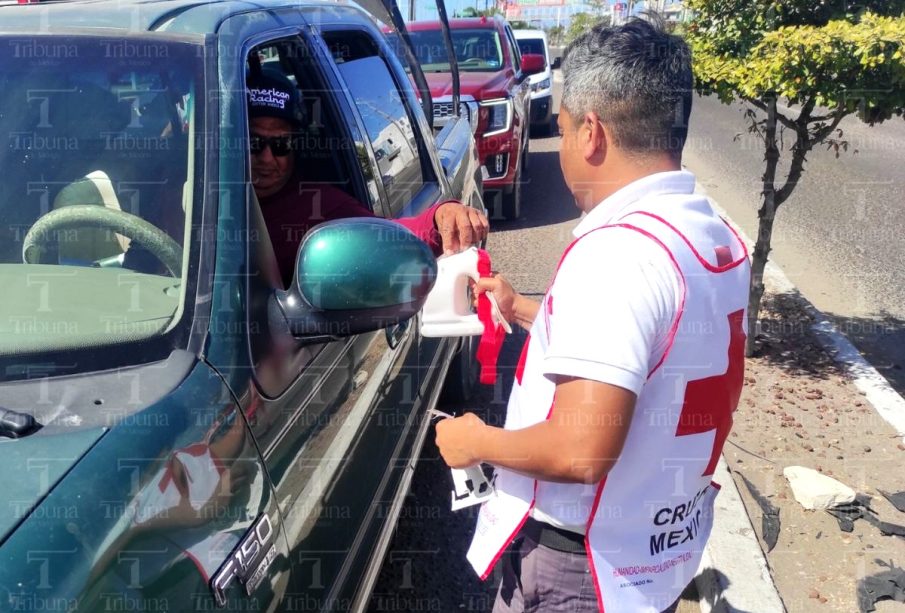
<point x="271" y="94"/>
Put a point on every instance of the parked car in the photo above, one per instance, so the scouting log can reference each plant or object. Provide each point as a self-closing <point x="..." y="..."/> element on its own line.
<point x="178" y="431"/>
<point x="541" y="84"/>
<point x="493" y="74"/>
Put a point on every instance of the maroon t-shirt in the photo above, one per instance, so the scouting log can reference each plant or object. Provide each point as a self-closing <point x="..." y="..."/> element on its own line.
<point x="298" y="207"/>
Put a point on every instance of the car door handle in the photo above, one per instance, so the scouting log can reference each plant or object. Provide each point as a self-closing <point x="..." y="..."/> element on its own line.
<point x="396" y="333"/>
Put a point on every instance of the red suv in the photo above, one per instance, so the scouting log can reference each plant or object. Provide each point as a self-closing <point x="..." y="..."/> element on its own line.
<point x="493" y="77"/>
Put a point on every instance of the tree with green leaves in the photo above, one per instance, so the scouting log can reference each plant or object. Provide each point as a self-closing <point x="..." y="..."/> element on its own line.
<point x="801" y="66"/>
<point x="555" y="34"/>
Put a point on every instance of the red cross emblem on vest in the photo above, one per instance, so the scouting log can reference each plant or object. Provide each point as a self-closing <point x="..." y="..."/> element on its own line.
<point x="709" y="403"/>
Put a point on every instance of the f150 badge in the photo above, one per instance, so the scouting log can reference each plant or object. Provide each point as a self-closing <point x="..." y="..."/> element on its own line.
<point x="248" y="562"/>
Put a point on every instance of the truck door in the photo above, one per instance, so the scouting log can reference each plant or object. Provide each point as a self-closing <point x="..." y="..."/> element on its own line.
<point x="336" y="421"/>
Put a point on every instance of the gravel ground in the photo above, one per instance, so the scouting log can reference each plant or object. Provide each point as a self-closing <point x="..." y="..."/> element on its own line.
<point x="799" y="408"/>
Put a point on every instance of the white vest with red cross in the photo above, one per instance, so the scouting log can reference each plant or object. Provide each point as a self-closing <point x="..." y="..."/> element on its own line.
<point x="647" y="522"/>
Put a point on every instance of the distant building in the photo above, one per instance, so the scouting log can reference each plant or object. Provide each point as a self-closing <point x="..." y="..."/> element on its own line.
<point x="547" y="13"/>
<point x="672" y="10"/>
<point x="544" y="13"/>
<point x="676" y="11"/>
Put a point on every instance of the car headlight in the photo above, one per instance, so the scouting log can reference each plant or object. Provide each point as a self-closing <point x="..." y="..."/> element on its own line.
<point x="496" y="116"/>
<point x="545" y="84"/>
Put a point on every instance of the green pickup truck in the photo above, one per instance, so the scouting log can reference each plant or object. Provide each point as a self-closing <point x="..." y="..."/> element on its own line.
<point x="179" y="431"/>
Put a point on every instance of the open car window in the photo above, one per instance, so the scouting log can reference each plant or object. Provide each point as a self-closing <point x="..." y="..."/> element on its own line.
<point x="98" y="191"/>
<point x="323" y="153"/>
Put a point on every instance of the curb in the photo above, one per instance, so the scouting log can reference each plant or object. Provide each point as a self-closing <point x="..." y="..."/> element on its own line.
<point x="734" y="574"/>
<point x="877" y="390"/>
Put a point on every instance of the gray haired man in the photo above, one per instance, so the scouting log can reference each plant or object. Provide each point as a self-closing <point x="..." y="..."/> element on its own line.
<point x="624" y="393"/>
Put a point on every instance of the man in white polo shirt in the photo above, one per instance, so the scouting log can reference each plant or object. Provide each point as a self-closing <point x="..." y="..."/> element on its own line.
<point x="624" y="392"/>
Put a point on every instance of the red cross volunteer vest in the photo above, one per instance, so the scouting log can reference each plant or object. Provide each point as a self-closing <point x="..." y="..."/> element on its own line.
<point x="647" y="522"/>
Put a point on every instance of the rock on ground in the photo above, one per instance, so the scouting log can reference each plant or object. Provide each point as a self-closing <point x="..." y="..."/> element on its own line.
<point x="816" y="491"/>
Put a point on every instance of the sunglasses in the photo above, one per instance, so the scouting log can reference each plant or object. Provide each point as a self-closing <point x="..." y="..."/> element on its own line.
<point x="280" y="146"/>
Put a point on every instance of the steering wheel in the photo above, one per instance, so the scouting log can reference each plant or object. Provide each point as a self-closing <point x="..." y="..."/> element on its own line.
<point x="472" y="60"/>
<point x="142" y="232"/>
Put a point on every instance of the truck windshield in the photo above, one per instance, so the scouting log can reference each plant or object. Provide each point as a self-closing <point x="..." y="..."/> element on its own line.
<point x="98" y="188"/>
<point x="477" y="50"/>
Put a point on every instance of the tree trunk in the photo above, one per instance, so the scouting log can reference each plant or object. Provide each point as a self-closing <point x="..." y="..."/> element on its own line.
<point x="766" y="214"/>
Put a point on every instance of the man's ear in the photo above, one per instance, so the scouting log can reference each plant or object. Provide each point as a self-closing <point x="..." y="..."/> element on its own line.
<point x="594" y="138"/>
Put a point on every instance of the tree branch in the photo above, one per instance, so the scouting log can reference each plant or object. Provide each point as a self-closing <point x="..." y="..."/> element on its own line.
<point x="822" y="133"/>
<point x="779" y="116"/>
<point x="803" y="144"/>
<point x="799" y="150"/>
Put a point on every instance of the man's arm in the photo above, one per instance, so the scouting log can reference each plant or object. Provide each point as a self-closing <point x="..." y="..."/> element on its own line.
<point x="617" y="299"/>
<point x="580" y="442"/>
<point x="448" y="227"/>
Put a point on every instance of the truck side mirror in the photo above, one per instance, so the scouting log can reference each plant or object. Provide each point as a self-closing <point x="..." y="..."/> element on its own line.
<point x="354" y="276"/>
<point x="533" y="63"/>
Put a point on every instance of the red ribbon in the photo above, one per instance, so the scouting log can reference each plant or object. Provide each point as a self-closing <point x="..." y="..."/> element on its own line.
<point x="492" y="339"/>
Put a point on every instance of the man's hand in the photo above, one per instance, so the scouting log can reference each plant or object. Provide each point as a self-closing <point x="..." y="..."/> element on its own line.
<point x="579" y="443"/>
<point x="514" y="307"/>
<point x="502" y="292"/>
<point x="456" y="437"/>
<point x="460" y="226"/>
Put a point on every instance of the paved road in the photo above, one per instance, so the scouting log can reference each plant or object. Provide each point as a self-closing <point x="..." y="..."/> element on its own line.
<point x="839" y="237"/>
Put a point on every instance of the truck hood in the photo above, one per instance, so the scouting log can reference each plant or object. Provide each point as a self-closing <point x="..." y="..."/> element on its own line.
<point x="33" y="465"/>
<point x="480" y="85"/>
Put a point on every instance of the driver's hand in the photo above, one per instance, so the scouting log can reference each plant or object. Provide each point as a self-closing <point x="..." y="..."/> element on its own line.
<point x="460" y="226"/>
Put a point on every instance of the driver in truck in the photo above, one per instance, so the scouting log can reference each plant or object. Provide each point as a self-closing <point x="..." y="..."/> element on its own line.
<point x="291" y="209"/>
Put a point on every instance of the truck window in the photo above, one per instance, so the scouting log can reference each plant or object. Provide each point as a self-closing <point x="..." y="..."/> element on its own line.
<point x="532" y="45"/>
<point x="477" y="50"/>
<point x="105" y="141"/>
<point x="322" y="153"/>
<point x="386" y="116"/>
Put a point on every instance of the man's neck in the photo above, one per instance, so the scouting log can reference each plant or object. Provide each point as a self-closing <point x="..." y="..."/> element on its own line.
<point x="625" y="171"/>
